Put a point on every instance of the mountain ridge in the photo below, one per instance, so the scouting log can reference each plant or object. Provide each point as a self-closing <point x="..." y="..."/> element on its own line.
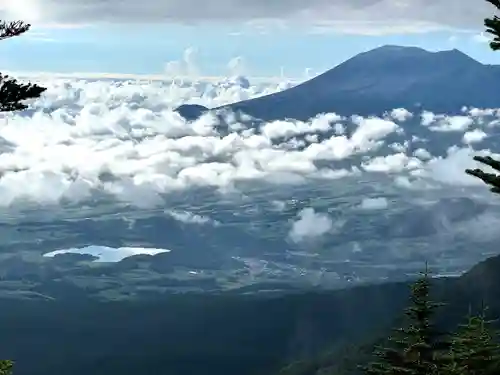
<point x="377" y="81"/>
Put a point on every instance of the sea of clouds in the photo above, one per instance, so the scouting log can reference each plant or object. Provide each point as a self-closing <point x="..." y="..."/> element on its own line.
<point x="90" y="147"/>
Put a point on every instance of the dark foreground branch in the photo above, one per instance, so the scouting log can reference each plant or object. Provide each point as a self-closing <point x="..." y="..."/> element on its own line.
<point x="11" y="29"/>
<point x="12" y="93"/>
<point x="491" y="179"/>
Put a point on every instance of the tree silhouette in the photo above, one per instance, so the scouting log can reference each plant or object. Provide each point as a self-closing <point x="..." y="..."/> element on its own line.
<point x="418" y="348"/>
<point x="493" y="26"/>
<point x="13" y="93"/>
<point x="491" y="179"/>
<point x="6" y="367"/>
<point x="474" y="348"/>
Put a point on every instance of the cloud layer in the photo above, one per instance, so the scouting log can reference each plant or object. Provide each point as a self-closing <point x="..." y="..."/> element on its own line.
<point x="111" y="161"/>
<point x="360" y="16"/>
<point x="123" y="139"/>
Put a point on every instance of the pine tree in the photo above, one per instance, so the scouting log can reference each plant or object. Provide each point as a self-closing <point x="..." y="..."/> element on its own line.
<point x="13" y="93"/>
<point x="491" y="179"/>
<point x="418" y="348"/>
<point x="6" y="367"/>
<point x="493" y="26"/>
<point x="475" y="349"/>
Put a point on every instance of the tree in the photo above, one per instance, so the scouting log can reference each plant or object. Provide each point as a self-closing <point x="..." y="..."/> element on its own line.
<point x="13" y="93"/>
<point x="493" y="27"/>
<point x="418" y="348"/>
<point x="474" y="348"/>
<point x="6" y="367"/>
<point x="491" y="179"/>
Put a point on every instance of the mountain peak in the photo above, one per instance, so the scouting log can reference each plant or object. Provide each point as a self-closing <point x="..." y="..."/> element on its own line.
<point x="457" y="55"/>
<point x="382" y="79"/>
<point x="392" y="48"/>
<point x="390" y="52"/>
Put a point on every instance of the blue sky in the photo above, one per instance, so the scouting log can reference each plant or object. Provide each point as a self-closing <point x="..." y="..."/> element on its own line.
<point x="146" y="49"/>
<point x="117" y="43"/>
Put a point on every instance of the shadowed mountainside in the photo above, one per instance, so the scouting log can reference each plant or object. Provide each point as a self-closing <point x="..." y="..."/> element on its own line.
<point x="219" y="333"/>
<point x="377" y="81"/>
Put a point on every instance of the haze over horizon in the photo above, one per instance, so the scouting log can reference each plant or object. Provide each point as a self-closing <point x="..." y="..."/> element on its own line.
<point x="227" y="38"/>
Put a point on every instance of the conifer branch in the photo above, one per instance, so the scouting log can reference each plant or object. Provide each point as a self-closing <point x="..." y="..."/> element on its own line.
<point x="490" y="179"/>
<point x="13" y="93"/>
<point x="11" y="29"/>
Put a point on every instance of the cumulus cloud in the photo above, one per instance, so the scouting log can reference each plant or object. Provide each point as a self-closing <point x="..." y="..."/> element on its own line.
<point x="120" y="142"/>
<point x="401" y="114"/>
<point x="474" y="136"/>
<point x="391" y="163"/>
<point x="451" y="123"/>
<point x="236" y="66"/>
<point x="422" y="154"/>
<point x="187" y="67"/>
<point x="310" y="225"/>
<point x="362" y="16"/>
<point x="191" y="218"/>
<point x="122" y="139"/>
<point x="450" y="169"/>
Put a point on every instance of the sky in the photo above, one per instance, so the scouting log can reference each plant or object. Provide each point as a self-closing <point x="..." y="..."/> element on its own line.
<point x="228" y="37"/>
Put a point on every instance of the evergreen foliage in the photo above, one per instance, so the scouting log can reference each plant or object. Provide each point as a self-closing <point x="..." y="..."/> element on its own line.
<point x="13" y="93"/>
<point x="475" y="349"/>
<point x="493" y="27"/>
<point x="491" y="179"/>
<point x="418" y="348"/>
<point x="6" y="367"/>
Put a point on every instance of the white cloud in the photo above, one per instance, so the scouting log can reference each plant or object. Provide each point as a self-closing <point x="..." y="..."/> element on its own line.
<point x="422" y="154"/>
<point x="427" y="118"/>
<point x="450" y="169"/>
<point x="451" y="124"/>
<point x="391" y="163"/>
<point x="191" y="218"/>
<point x="282" y="128"/>
<point x="123" y="139"/>
<point x="236" y="66"/>
<point x="481" y="38"/>
<point x="359" y="17"/>
<point x="30" y="10"/>
<point x="310" y="225"/>
<point x="474" y="136"/>
<point x="401" y="114"/>
<point x="478" y="112"/>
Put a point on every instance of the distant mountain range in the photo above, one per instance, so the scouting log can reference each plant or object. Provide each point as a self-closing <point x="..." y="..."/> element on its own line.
<point x="379" y="80"/>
